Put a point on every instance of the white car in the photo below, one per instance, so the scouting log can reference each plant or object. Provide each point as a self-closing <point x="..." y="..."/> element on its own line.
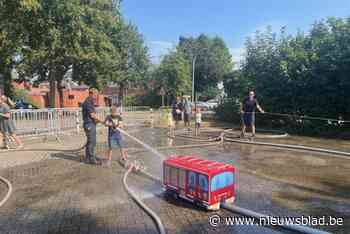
<point x="213" y="103"/>
<point x="203" y="105"/>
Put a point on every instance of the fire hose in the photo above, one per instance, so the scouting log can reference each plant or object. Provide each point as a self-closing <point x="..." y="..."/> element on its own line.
<point x="235" y="209"/>
<point x="9" y="192"/>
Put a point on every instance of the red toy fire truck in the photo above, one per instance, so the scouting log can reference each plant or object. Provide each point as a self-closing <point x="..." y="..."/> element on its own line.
<point x="204" y="182"/>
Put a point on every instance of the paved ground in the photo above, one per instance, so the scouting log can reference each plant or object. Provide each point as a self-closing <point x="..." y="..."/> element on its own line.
<point x="3" y="190"/>
<point x="65" y="196"/>
<point x="55" y="193"/>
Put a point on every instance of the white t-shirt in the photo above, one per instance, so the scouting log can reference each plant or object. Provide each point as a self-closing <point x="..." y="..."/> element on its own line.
<point x="170" y="119"/>
<point x="198" y="117"/>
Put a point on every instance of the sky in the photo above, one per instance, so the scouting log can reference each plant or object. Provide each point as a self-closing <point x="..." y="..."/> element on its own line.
<point x="162" y="22"/>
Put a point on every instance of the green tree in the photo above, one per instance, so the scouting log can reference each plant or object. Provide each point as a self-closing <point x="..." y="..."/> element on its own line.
<point x="302" y="73"/>
<point x="12" y="33"/>
<point x="134" y="62"/>
<point x="212" y="60"/>
<point x="64" y="35"/>
<point x="173" y="74"/>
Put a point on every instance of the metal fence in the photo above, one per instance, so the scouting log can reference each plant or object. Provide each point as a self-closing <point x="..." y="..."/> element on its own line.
<point x="55" y="120"/>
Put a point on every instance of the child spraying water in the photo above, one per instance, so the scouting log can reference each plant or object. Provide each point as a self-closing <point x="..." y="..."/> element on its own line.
<point x="114" y="122"/>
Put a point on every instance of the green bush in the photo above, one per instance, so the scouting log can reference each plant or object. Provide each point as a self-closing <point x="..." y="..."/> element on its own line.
<point x="229" y="112"/>
<point x="150" y="99"/>
<point x="130" y="101"/>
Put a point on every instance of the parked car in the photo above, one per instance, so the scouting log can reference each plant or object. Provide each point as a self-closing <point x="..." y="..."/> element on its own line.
<point x="203" y="105"/>
<point x="213" y="103"/>
<point x="24" y="105"/>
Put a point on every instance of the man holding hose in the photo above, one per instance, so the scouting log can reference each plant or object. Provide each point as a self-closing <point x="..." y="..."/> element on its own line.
<point x="90" y="120"/>
<point x="247" y="108"/>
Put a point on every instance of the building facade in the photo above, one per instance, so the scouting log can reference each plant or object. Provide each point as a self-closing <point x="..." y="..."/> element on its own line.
<point x="72" y="97"/>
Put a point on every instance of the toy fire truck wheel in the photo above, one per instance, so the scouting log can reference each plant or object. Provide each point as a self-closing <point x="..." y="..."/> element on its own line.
<point x="175" y="195"/>
<point x="216" y="206"/>
<point x="230" y="200"/>
<point x="171" y="194"/>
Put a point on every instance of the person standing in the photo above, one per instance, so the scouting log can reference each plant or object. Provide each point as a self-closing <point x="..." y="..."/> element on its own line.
<point x="187" y="113"/>
<point x="248" y="107"/>
<point x="171" y="124"/>
<point x="8" y="101"/>
<point x="7" y="127"/>
<point x="114" y="122"/>
<point x="198" y="117"/>
<point x="90" y="119"/>
<point x="177" y="111"/>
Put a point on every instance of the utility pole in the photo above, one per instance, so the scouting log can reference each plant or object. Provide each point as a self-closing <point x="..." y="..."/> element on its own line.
<point x="193" y="69"/>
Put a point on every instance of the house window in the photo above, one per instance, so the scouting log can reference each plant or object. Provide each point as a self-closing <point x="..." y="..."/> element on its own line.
<point x="71" y="97"/>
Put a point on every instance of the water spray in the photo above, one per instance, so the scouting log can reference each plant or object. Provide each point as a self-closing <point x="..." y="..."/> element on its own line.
<point x="148" y="147"/>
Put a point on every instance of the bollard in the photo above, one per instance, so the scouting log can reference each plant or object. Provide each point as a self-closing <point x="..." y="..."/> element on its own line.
<point x="152" y="119"/>
<point x="77" y="121"/>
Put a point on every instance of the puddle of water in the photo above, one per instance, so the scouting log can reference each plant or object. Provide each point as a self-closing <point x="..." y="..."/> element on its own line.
<point x="341" y="145"/>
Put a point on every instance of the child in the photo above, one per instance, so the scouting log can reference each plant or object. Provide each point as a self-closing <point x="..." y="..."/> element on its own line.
<point x="113" y="122"/>
<point x="198" y="116"/>
<point x="171" y="124"/>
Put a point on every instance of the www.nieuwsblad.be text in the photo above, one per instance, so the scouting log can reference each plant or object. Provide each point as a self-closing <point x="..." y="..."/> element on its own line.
<point x="216" y="220"/>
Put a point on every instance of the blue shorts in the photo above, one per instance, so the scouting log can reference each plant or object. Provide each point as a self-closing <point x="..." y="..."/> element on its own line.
<point x="115" y="143"/>
<point x="248" y="119"/>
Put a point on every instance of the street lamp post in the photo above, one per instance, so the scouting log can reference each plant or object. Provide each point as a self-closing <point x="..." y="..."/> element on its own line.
<point x="193" y="68"/>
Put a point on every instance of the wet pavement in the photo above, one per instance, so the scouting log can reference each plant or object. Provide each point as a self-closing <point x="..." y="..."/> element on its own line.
<point x="335" y="144"/>
<point x="281" y="183"/>
<point x="58" y="194"/>
<point x="65" y="196"/>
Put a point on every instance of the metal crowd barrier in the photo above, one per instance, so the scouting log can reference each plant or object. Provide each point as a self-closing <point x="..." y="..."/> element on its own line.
<point x="30" y="122"/>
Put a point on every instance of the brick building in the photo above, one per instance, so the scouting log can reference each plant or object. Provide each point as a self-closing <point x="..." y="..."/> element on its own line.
<point x="73" y="95"/>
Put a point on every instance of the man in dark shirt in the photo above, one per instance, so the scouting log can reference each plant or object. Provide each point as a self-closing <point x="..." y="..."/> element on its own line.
<point x="177" y="111"/>
<point x="248" y="107"/>
<point x="90" y="120"/>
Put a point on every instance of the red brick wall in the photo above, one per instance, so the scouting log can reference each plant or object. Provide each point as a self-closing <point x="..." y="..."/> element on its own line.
<point x="71" y="98"/>
<point x="38" y="100"/>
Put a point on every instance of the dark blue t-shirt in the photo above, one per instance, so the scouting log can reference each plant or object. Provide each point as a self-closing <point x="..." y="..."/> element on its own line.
<point x="250" y="105"/>
<point x="88" y="108"/>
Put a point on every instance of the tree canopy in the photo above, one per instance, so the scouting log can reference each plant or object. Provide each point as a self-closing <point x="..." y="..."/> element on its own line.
<point x="174" y="74"/>
<point x="212" y="59"/>
<point x="306" y="73"/>
<point x="51" y="37"/>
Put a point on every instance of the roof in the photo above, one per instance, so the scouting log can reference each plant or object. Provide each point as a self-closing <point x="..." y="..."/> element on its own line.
<point x="200" y="165"/>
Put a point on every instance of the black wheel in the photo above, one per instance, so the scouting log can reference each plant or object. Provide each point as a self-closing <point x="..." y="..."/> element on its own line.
<point x="175" y="195"/>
